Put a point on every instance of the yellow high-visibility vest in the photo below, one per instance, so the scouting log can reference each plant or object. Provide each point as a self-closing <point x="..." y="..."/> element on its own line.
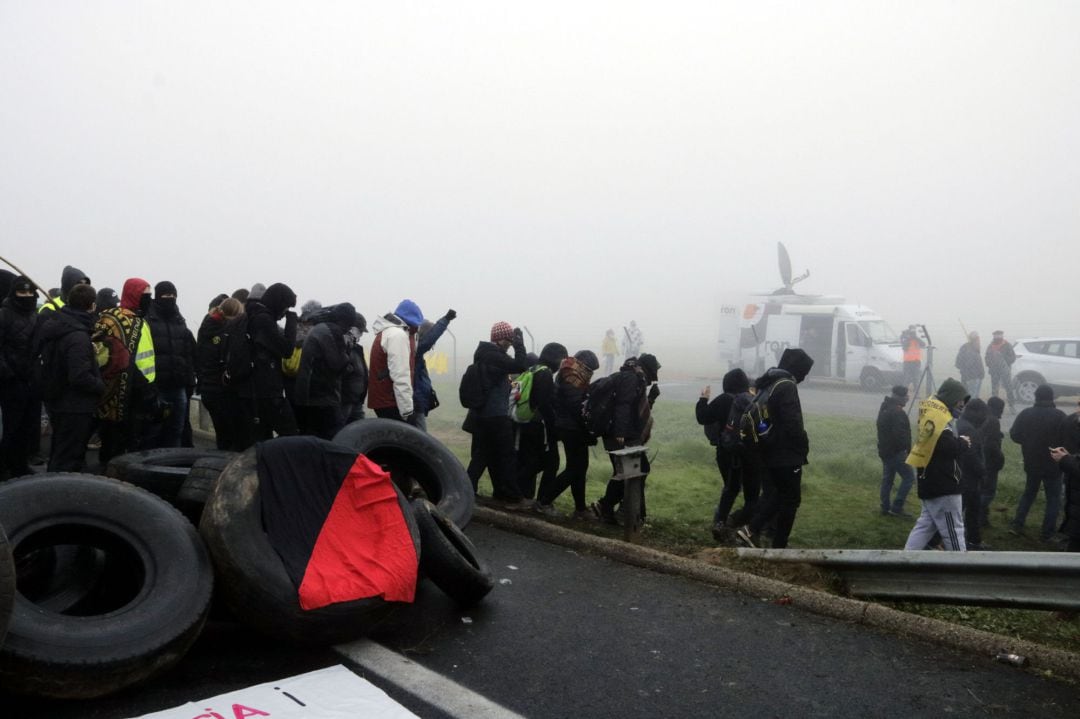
<point x="144" y="354"/>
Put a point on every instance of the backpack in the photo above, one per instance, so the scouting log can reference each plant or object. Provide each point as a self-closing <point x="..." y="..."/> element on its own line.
<point x="48" y="375"/>
<point x="521" y="408"/>
<point x="598" y="407"/>
<point x="755" y="423"/>
<point x="471" y="390"/>
<point x="239" y="350"/>
<point x="730" y="439"/>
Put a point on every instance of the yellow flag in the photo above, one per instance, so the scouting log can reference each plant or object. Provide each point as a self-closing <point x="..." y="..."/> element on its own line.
<point x="934" y="417"/>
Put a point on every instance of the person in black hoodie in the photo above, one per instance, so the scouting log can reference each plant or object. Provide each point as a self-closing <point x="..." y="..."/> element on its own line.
<point x="72" y="383"/>
<point x="1036" y="429"/>
<point x="893" y="445"/>
<point x="263" y="409"/>
<point x="631" y="426"/>
<point x="323" y="361"/>
<point x="20" y="402"/>
<point x="354" y="382"/>
<point x="538" y="450"/>
<point x="784" y="449"/>
<point x="571" y="386"/>
<point x="739" y="470"/>
<point x="1070" y="467"/>
<point x="210" y="369"/>
<point x="973" y="471"/>
<point x="938" y="476"/>
<point x="174" y="358"/>
<point x="990" y="437"/>
<point x="491" y="425"/>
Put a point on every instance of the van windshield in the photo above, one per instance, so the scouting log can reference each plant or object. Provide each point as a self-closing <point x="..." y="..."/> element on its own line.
<point x="879" y="332"/>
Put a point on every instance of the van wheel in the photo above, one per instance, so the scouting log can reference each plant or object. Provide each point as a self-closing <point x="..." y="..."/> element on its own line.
<point x="871" y="380"/>
<point x="160" y="471"/>
<point x="419" y="464"/>
<point x="136" y="619"/>
<point x="1025" y="386"/>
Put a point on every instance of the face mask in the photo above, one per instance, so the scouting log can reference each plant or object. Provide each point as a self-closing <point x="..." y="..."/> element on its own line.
<point x="167" y="305"/>
<point x="25" y="303"/>
<point x="144" y="303"/>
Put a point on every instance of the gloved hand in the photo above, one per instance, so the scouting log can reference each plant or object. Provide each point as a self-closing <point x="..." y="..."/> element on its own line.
<point x="519" y="338"/>
<point x="450" y="315"/>
<point x="654" y="392"/>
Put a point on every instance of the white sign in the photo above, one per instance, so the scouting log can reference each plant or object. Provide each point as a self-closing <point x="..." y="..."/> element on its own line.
<point x="331" y="693"/>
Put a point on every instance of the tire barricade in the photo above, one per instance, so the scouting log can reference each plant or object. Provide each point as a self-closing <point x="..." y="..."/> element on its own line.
<point x="76" y="548"/>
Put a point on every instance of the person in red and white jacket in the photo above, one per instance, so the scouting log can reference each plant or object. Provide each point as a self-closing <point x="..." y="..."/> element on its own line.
<point x="393" y="362"/>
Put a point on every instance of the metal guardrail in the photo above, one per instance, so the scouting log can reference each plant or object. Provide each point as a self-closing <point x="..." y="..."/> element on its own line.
<point x="1025" y="580"/>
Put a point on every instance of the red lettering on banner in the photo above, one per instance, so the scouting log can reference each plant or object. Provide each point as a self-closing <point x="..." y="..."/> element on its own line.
<point x="247" y="712"/>
<point x="212" y="715"/>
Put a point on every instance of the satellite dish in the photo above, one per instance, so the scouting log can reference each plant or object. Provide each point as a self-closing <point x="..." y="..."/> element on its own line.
<point x="785" y="264"/>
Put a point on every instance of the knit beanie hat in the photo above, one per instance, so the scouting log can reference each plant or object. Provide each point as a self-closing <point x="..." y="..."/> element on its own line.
<point x="1044" y="393"/>
<point x="501" y="331"/>
<point x="107" y="299"/>
<point x="410" y="313"/>
<point x="588" y="358"/>
<point x="651" y="366"/>
<point x="951" y="391"/>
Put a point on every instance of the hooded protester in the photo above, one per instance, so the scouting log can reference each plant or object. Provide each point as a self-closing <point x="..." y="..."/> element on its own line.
<point x="1070" y="467"/>
<point x="936" y="455"/>
<point x="739" y="470"/>
<point x="784" y="449"/>
<point x="70" y="277"/>
<point x="323" y="362"/>
<point x="174" y="353"/>
<point x="990" y="438"/>
<point x="537" y="449"/>
<point x="393" y="362"/>
<point x="210" y="369"/>
<point x="262" y="409"/>
<point x="631" y="426"/>
<point x="6" y="278"/>
<point x="71" y="382"/>
<point x="354" y="383"/>
<point x="20" y="400"/>
<point x="424" y="398"/>
<point x="1036" y="429"/>
<point x="129" y="371"/>
<point x="973" y="471"/>
<point x="571" y="386"/>
<point x="491" y="426"/>
<point x="894" y="444"/>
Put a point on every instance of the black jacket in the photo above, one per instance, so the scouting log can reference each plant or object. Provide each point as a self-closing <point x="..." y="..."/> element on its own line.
<point x="322" y="364"/>
<point x="174" y="347"/>
<point x="495" y="367"/>
<point x="16" y="342"/>
<point x="941" y="477"/>
<point x="571" y="386"/>
<point x="354" y="381"/>
<point x="1070" y="526"/>
<point x="990" y="437"/>
<point x="893" y="428"/>
<point x="1036" y="429"/>
<point x="210" y="354"/>
<point x="787" y="444"/>
<point x="1070" y="439"/>
<point x="970" y="363"/>
<point x="271" y="346"/>
<point x="973" y="461"/>
<point x="75" y="384"/>
<point x="631" y="414"/>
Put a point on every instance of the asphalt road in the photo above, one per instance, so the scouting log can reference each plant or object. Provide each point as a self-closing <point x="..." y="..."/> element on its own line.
<point x="566" y="634"/>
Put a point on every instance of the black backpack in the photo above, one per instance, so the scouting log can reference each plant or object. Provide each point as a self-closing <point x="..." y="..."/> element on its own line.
<point x="239" y="350"/>
<point x="598" y="407"/>
<point x="756" y="424"/>
<point x="730" y="439"/>
<point x="46" y="372"/>
<point x="471" y="390"/>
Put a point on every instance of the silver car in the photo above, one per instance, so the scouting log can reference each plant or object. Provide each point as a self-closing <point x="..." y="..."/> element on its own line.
<point x="1046" y="360"/>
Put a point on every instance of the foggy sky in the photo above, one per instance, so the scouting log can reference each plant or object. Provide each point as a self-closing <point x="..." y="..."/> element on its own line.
<point x="566" y="166"/>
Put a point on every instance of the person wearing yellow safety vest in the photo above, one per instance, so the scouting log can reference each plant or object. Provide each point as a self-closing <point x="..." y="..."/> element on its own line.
<point x="126" y="357"/>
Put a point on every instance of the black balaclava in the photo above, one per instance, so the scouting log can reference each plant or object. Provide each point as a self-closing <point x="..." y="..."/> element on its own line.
<point x="736" y="382"/>
<point x="552" y="355"/>
<point x="650" y="365"/>
<point x="797" y="362"/>
<point x="165" y="305"/>
<point x="145" y="301"/>
<point x="23" y="304"/>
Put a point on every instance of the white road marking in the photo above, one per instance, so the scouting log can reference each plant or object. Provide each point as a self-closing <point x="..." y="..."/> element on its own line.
<point x="435" y="689"/>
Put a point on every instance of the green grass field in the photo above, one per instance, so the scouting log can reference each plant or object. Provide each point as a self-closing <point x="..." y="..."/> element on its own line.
<point x="839" y="505"/>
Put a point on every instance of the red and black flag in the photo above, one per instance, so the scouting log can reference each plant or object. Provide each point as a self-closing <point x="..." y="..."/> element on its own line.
<point x="336" y="520"/>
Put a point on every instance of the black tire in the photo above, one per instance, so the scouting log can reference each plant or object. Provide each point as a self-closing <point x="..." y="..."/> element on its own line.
<point x="60" y="578"/>
<point x="160" y="471"/>
<point x="140" y="617"/>
<point x="449" y="558"/>
<point x="252" y="579"/>
<point x="7" y="584"/>
<point x="871" y="380"/>
<point x="412" y="455"/>
<point x="199" y="483"/>
<point x="1024" y="386"/>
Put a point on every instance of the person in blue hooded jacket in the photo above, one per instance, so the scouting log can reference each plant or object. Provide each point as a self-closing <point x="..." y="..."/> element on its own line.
<point x="393" y="362"/>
